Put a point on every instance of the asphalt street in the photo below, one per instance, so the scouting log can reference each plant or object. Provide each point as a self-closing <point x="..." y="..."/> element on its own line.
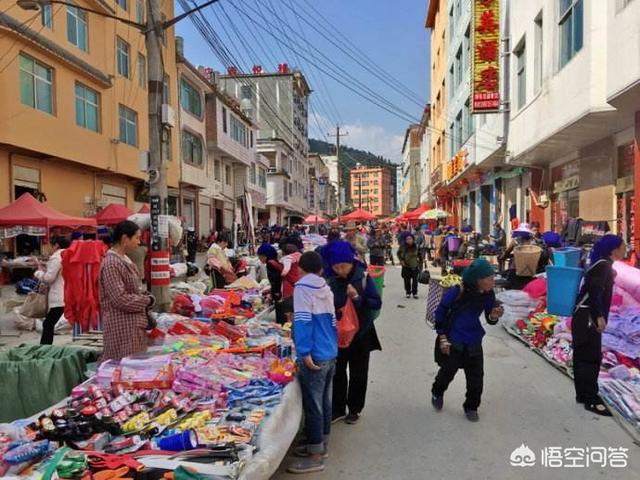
<point x="526" y="402"/>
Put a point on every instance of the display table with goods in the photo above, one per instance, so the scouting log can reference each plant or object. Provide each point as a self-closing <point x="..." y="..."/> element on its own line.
<point x="526" y="318"/>
<point x="214" y="395"/>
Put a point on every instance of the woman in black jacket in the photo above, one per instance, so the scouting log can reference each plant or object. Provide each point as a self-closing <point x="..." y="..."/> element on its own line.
<point x="269" y="256"/>
<point x="348" y="278"/>
<point x="590" y="320"/>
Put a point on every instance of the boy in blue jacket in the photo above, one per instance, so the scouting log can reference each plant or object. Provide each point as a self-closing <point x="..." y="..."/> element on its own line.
<point x="316" y="340"/>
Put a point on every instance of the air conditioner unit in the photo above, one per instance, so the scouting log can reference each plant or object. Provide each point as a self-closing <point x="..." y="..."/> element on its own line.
<point x="168" y="115"/>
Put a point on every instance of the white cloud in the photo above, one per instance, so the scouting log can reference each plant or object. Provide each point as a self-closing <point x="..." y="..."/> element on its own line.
<point x="370" y="138"/>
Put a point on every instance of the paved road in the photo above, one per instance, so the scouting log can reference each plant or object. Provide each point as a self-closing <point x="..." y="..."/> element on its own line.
<point x="525" y="401"/>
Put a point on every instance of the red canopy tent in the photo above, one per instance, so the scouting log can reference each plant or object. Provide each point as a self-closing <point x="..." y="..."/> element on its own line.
<point x="415" y="214"/>
<point x="358" y="215"/>
<point x="145" y="209"/>
<point x="27" y="211"/>
<point x="112" y="214"/>
<point x="313" y="219"/>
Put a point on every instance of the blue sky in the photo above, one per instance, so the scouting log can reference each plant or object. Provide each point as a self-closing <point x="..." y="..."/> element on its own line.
<point x="390" y="32"/>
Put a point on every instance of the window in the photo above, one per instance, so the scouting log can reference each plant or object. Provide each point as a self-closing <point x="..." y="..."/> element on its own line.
<point x="77" y="27"/>
<point x="253" y="174"/>
<point x="36" y="84"/>
<point x="87" y="108"/>
<point x="217" y="170"/>
<point x="468" y="121"/>
<point x="262" y="178"/>
<point x="192" y="149"/>
<point x="452" y="139"/>
<point x="459" y="133"/>
<point x="466" y="49"/>
<point x="190" y="98"/>
<point x="571" y="29"/>
<point x="250" y="138"/>
<point x="46" y="16"/>
<point x="458" y="67"/>
<point x="290" y="189"/>
<point x="451" y="18"/>
<point x="227" y="174"/>
<point x="238" y="131"/>
<point x="521" y="74"/>
<point x="122" y="57"/>
<point x="537" y="54"/>
<point x="122" y="4"/>
<point x="142" y="71"/>
<point x="166" y="89"/>
<point x="128" y="126"/>
<point x="452" y="81"/>
<point x="139" y="11"/>
<point x="224" y="119"/>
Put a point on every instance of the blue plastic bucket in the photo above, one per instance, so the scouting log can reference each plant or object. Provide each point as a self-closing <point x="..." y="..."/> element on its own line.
<point x="453" y="243"/>
<point x="567" y="257"/>
<point x="563" y="284"/>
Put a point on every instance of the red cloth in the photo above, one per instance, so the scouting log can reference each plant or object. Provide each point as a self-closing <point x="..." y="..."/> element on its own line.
<point x="289" y="280"/>
<point x="80" y="270"/>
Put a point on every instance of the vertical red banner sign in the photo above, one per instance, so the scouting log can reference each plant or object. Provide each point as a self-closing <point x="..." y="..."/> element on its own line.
<point x="485" y="59"/>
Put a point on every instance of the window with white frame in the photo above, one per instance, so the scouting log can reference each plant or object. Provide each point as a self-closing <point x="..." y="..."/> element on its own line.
<point x="77" y="27"/>
<point x="142" y="71"/>
<point x="192" y="149"/>
<point x="537" y="54"/>
<point x="190" y="98"/>
<point x="238" y="130"/>
<point x="122" y="57"/>
<point x="36" y="84"/>
<point x="521" y="74"/>
<point x="128" y="126"/>
<point x="571" y="29"/>
<point x="87" y="108"/>
<point x="46" y="16"/>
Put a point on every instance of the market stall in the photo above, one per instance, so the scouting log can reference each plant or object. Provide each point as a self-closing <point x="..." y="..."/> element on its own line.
<point x="113" y="214"/>
<point x="527" y="319"/>
<point x="215" y="394"/>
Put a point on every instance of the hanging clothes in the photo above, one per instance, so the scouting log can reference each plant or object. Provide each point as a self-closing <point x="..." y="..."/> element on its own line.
<point x="80" y="271"/>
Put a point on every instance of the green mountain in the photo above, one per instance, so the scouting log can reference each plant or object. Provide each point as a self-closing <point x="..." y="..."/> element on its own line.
<point x="349" y="157"/>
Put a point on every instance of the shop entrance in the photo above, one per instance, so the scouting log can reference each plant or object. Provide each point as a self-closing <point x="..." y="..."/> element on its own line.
<point x="485" y="215"/>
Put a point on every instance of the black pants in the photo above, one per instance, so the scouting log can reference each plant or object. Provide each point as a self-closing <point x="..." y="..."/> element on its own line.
<point x="282" y="308"/>
<point x="49" y="324"/>
<point x="473" y="366"/>
<point x="350" y="391"/>
<point x="587" y="357"/>
<point x="410" y="276"/>
<point x="390" y="256"/>
<point x="376" y="260"/>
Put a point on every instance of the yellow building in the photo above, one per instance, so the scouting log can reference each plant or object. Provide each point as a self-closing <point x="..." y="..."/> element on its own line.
<point x="437" y="22"/>
<point x="73" y="104"/>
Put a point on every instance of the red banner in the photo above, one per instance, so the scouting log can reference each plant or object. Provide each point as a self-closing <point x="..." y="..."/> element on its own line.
<point x="485" y="60"/>
<point x="160" y="269"/>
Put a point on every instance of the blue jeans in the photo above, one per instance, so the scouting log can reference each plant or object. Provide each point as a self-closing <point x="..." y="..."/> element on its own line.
<point x="317" y="389"/>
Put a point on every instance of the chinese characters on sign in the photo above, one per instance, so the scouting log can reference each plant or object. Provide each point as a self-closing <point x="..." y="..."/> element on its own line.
<point x="457" y="164"/>
<point x="572" y="457"/>
<point x="485" y="89"/>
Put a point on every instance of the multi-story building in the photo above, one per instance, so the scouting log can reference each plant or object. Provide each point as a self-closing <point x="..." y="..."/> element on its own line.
<point x="73" y="97"/>
<point x="411" y="168"/>
<point x="399" y="197"/>
<point x="278" y="103"/>
<point x="371" y="189"/>
<point x="331" y="161"/>
<point x="574" y="103"/>
<point x="437" y="23"/>
<point x="322" y="199"/>
<point x="425" y="156"/>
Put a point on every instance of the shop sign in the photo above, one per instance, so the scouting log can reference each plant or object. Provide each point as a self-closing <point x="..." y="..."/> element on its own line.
<point x="485" y="61"/>
<point x="566" y="184"/>
<point x="624" y="184"/>
<point x="457" y="164"/>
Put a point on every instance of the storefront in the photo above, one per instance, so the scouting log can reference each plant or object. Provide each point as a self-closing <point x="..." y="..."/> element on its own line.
<point x="625" y="195"/>
<point x="565" y="202"/>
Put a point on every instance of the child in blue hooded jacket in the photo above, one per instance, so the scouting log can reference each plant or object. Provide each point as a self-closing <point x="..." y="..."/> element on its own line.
<point x="316" y="339"/>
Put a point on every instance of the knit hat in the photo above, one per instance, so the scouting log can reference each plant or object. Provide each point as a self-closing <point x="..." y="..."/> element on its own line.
<point x="268" y="251"/>
<point x="551" y="239"/>
<point x="478" y="270"/>
<point x="523" y="231"/>
<point x="338" y="251"/>
<point x="605" y="246"/>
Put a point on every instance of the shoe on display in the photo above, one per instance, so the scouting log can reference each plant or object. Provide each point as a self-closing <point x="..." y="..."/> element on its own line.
<point x="472" y="415"/>
<point x="302" y="452"/>
<point x="306" y="465"/>
<point x="338" y="418"/>
<point x="437" y="402"/>
<point x="352" y="419"/>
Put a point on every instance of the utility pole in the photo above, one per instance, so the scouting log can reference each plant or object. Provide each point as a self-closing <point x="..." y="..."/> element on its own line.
<point x="338" y="135"/>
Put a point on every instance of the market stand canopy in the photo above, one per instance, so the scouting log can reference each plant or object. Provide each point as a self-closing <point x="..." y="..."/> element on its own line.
<point x="358" y="215"/>
<point x="26" y="211"/>
<point x="312" y="219"/>
<point x="113" y="214"/>
<point x="416" y="214"/>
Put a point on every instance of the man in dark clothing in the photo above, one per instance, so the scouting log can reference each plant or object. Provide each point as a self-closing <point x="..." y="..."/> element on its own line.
<point x="192" y="245"/>
<point x="376" y="246"/>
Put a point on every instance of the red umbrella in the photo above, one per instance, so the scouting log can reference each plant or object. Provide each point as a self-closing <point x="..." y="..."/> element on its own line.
<point x="113" y="214"/>
<point x="358" y="215"/>
<point x="313" y="219"/>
